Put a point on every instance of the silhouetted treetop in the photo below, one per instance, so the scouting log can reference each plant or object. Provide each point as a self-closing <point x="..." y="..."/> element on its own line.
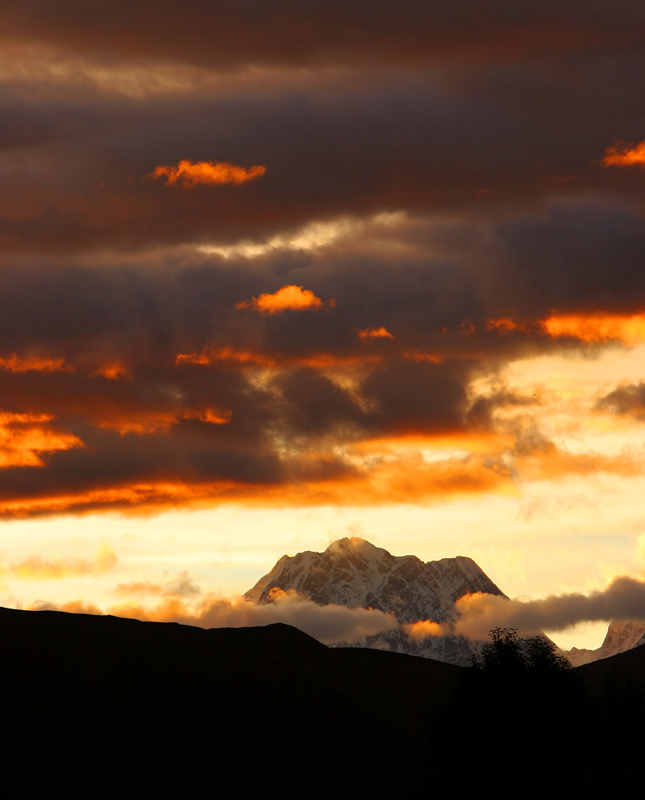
<point x="507" y="655"/>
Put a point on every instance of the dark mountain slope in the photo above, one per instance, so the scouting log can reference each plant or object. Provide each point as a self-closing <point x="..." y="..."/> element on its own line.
<point x="104" y="707"/>
<point x="103" y="703"/>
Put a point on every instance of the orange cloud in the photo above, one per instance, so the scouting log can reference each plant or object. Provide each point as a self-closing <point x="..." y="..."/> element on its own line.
<point x="590" y="328"/>
<point x="112" y="371"/>
<point x="150" y="423"/>
<point x="140" y="423"/>
<point x="214" y="354"/>
<point x="138" y="498"/>
<point x="375" y="479"/>
<point x="24" y="436"/>
<point x="598" y="327"/>
<point x="625" y="155"/>
<point x="14" y="363"/>
<point x="209" y="415"/>
<point x="423" y="629"/>
<point x="294" y="298"/>
<point x="369" y="334"/>
<point x="37" y="568"/>
<point x="190" y="173"/>
<point x="371" y="478"/>
<point x="403" y="478"/>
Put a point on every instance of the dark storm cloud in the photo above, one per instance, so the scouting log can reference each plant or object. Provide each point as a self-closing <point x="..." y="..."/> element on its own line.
<point x="478" y="141"/>
<point x="163" y="381"/>
<point x="133" y="368"/>
<point x="580" y="255"/>
<point x="233" y="32"/>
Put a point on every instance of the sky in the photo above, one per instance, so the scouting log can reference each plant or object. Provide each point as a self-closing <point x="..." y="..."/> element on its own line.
<point x="275" y="274"/>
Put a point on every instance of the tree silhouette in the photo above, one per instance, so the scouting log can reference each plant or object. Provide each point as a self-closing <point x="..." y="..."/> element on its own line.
<point x="507" y="655"/>
<point x="503" y="656"/>
<point x="542" y="656"/>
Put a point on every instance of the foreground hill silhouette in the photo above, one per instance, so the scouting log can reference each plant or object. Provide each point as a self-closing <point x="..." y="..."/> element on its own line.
<point x="101" y="706"/>
<point x="105" y="702"/>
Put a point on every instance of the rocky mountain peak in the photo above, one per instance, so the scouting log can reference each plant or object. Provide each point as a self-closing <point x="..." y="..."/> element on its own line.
<point x="354" y="573"/>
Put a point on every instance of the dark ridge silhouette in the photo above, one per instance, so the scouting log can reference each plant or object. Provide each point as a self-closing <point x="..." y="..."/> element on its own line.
<point x="97" y="704"/>
<point x="627" y="668"/>
<point x="102" y="706"/>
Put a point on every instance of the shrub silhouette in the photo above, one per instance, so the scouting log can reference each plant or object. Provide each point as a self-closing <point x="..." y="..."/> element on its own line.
<point x="507" y="655"/>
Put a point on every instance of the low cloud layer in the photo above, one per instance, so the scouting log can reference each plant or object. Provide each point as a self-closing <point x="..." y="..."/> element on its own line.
<point x="329" y="624"/>
<point x="621" y="601"/>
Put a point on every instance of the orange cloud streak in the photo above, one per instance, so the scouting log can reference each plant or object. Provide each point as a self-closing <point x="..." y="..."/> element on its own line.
<point x="294" y="298"/>
<point x="140" y="498"/>
<point x="376" y="477"/>
<point x="404" y="478"/>
<point x="209" y="415"/>
<point x="590" y="328"/>
<point x="216" y="355"/>
<point x="625" y="155"/>
<point x="598" y="327"/>
<point x="142" y="423"/>
<point x="190" y="173"/>
<point x="112" y="371"/>
<point x="486" y="442"/>
<point x="368" y="334"/>
<point x="159" y="422"/>
<point x="24" y="436"/>
<point x="14" y="363"/>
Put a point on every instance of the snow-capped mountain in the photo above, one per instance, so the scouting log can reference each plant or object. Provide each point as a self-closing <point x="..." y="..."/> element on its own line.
<point x="621" y="636"/>
<point x="354" y="573"/>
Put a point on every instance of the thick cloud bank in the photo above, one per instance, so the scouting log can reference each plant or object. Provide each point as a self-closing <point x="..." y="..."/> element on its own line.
<point x="250" y="251"/>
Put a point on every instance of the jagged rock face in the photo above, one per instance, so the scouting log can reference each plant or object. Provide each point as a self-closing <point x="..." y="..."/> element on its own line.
<point x="356" y="574"/>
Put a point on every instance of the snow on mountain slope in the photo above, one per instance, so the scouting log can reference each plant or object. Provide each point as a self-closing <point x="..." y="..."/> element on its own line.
<point x="621" y="636"/>
<point x="354" y="573"/>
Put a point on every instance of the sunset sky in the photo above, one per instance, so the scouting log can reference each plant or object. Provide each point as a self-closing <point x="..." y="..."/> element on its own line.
<point x="272" y="274"/>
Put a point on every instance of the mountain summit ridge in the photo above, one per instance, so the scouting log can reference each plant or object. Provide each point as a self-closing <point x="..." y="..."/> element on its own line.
<point x="353" y="572"/>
